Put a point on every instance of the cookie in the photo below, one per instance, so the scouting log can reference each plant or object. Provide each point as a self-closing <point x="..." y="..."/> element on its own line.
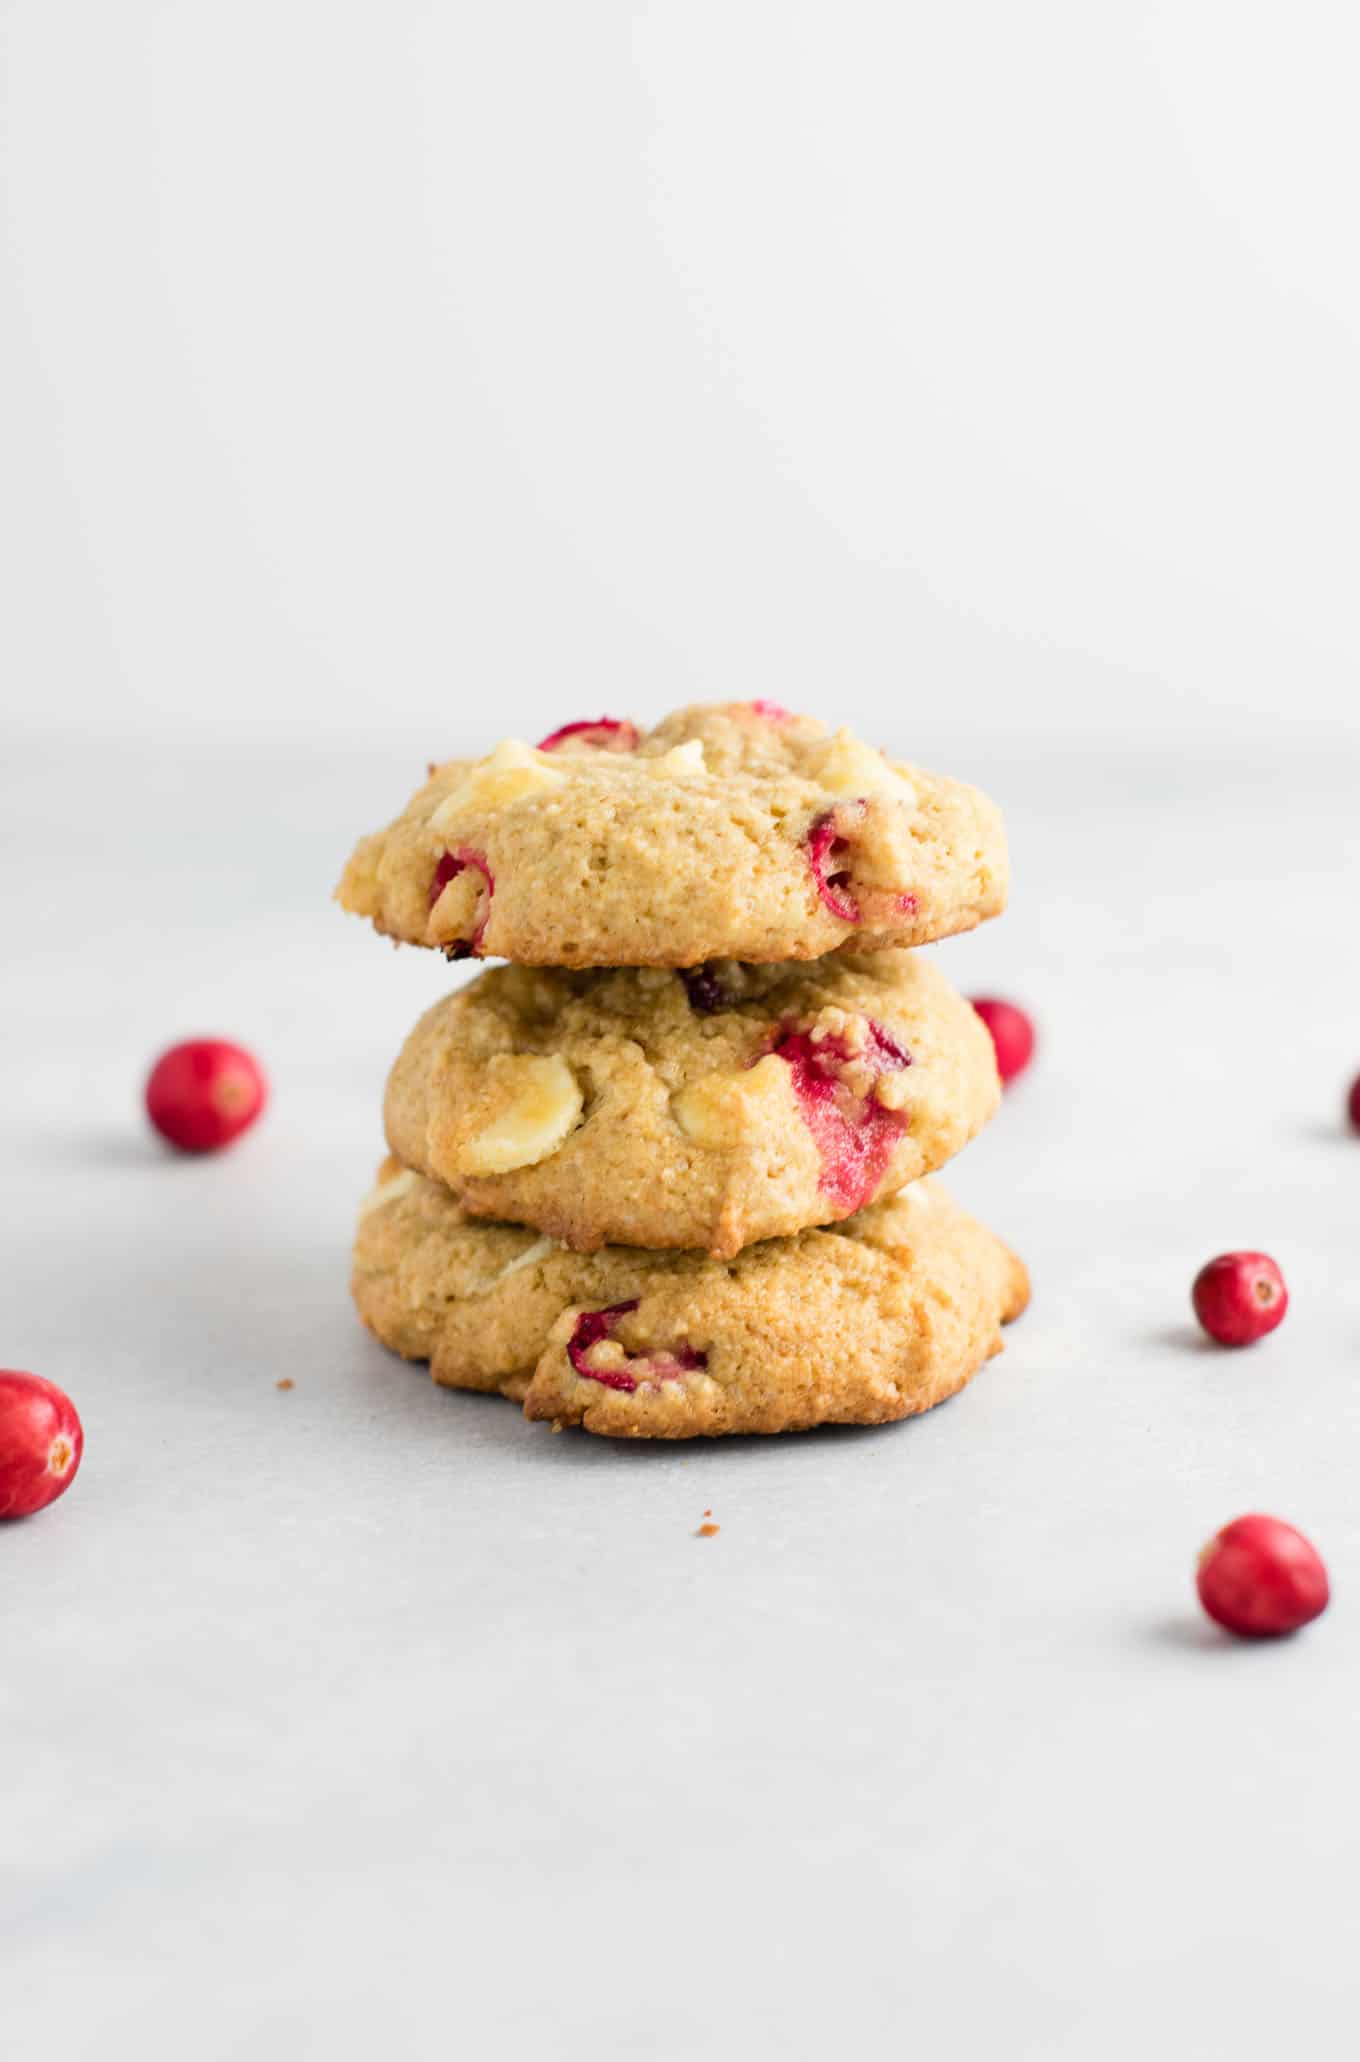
<point x="731" y="831"/>
<point x="710" y="1107"/>
<point x="881" y="1317"/>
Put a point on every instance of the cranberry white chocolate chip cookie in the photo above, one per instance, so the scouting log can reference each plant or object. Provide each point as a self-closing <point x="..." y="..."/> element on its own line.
<point x="874" y="1320"/>
<point x="710" y="1107"/>
<point x="733" y="830"/>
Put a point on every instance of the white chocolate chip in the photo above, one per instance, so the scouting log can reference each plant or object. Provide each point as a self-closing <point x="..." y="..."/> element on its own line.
<point x="388" y="1191"/>
<point x="709" y="1111"/>
<point x="680" y="762"/>
<point x="545" y="1105"/>
<point x="513" y="770"/>
<point x="845" y="767"/>
<point x="530" y="1257"/>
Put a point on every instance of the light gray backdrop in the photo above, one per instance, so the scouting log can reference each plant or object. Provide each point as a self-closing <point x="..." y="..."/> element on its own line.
<point x="379" y="380"/>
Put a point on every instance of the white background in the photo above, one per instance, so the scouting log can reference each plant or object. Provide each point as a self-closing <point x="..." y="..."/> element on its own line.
<point x="362" y="362"/>
<point x="380" y="380"/>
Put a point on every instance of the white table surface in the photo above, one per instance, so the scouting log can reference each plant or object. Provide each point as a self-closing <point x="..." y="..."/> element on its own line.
<point x="366" y="1718"/>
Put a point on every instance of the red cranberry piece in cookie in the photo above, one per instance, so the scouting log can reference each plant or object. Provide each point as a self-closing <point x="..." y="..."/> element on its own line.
<point x="605" y="734"/>
<point x="830" y="846"/>
<point x="773" y="712"/>
<point x="448" y="869"/>
<point x="705" y="991"/>
<point x="836" y="1084"/>
<point x="625" y="1372"/>
<point x="890" y="1053"/>
<point x="828" y="849"/>
<point x="670" y="1365"/>
<point x="592" y="1327"/>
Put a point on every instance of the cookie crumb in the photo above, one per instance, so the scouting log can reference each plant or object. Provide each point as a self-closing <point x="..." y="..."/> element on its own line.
<point x="285" y="1382"/>
<point x="708" y="1532"/>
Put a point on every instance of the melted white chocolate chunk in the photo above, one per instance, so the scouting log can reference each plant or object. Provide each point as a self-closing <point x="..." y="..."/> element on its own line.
<point x="847" y="767"/>
<point x="530" y="1257"/>
<point x="512" y="770"/>
<point x="680" y="763"/>
<point x="545" y="1105"/>
<point x="388" y="1191"/>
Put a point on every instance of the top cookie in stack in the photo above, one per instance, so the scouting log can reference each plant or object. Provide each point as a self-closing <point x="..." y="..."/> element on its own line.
<point x="713" y="1041"/>
<point x="733" y="830"/>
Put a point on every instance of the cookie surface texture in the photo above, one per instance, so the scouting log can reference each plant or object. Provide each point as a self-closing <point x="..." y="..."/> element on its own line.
<point x="875" y="1320"/>
<point x="709" y="1108"/>
<point x="731" y="831"/>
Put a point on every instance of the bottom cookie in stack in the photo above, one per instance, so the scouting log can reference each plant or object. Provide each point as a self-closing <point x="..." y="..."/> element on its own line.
<point x="875" y="1318"/>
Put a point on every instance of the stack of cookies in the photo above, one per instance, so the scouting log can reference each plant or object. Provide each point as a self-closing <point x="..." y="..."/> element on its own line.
<point x="662" y="1174"/>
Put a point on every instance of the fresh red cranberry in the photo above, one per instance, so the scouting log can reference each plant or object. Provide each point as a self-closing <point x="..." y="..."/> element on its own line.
<point x="41" y="1442"/>
<point x="606" y="733"/>
<point x="1012" y="1034"/>
<point x="853" y="1132"/>
<point x="1240" y="1297"/>
<point x="1260" y="1578"/>
<point x="1353" y="1103"/>
<point x="448" y="869"/>
<point x="773" y="712"/>
<point x="645" y="1370"/>
<point x="830" y="840"/>
<point x="705" y="991"/>
<point x="203" y="1094"/>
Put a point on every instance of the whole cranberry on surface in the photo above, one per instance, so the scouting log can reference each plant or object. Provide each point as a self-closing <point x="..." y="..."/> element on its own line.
<point x="1353" y="1103"/>
<point x="204" y="1093"/>
<point x="41" y="1442"/>
<point x="1239" y="1297"/>
<point x="1259" y="1578"/>
<point x="1012" y="1034"/>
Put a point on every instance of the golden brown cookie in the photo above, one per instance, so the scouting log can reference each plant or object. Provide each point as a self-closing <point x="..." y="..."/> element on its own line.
<point x="710" y="1107"/>
<point x="881" y="1317"/>
<point x="731" y="831"/>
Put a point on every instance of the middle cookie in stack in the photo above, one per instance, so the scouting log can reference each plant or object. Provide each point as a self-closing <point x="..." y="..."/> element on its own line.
<point x="707" y="1108"/>
<point x="671" y="1139"/>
